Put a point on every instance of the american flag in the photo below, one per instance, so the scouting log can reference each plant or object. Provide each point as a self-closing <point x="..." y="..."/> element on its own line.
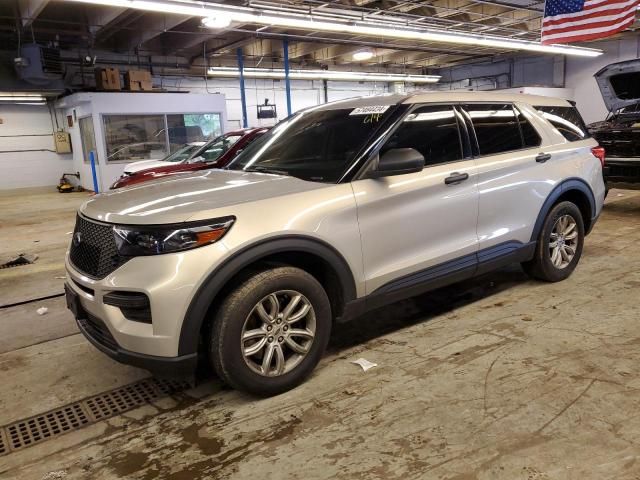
<point x="578" y="20"/>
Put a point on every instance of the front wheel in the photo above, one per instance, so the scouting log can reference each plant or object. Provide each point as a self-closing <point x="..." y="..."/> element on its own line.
<point x="559" y="245"/>
<point x="271" y="331"/>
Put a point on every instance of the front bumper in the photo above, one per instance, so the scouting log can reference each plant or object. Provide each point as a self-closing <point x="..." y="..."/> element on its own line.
<point x="170" y="282"/>
<point x="175" y="367"/>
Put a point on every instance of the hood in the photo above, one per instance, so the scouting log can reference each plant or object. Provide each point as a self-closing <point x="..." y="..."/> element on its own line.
<point x="193" y="196"/>
<point x="619" y="84"/>
<point x="143" y="165"/>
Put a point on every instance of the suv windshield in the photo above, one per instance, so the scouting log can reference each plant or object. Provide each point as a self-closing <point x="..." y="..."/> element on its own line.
<point x="314" y="145"/>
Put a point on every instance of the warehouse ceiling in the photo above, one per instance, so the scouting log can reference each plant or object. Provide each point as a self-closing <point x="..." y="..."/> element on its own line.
<point x="89" y="29"/>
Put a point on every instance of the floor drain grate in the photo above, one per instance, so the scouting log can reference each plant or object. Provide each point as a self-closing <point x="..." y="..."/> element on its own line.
<point x="22" y="259"/>
<point x="36" y="429"/>
<point x="33" y="430"/>
<point x="4" y="448"/>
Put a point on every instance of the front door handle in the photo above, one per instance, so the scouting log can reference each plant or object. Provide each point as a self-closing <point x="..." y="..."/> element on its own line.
<point x="543" y="157"/>
<point x="456" y="177"/>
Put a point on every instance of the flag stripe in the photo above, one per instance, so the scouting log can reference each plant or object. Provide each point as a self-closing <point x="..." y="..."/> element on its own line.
<point x="574" y="20"/>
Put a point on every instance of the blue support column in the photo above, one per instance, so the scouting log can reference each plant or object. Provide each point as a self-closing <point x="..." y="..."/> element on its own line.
<point x="287" y="82"/>
<point x="243" y="97"/>
<point x="92" y="161"/>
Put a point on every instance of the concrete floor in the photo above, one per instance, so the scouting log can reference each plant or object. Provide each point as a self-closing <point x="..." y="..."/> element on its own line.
<point x="499" y="378"/>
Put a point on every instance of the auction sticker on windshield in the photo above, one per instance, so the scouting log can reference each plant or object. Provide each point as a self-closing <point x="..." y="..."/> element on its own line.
<point x="369" y="110"/>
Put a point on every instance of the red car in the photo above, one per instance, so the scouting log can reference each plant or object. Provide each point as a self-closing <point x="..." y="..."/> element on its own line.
<point x="215" y="154"/>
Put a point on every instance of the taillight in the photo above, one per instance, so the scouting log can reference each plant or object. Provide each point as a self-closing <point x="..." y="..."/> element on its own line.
<point x="599" y="152"/>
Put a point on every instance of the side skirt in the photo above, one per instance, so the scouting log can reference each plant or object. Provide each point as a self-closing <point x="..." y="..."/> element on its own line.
<point x="441" y="275"/>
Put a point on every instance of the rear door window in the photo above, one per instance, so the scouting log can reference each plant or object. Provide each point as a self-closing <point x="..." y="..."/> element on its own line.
<point x="431" y="130"/>
<point x="496" y="127"/>
<point x="567" y="121"/>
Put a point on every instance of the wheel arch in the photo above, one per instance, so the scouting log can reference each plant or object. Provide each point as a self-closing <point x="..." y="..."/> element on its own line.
<point x="575" y="190"/>
<point x="295" y="250"/>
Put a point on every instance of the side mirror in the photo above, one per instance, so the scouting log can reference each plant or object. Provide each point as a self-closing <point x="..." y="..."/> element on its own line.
<point x="398" y="161"/>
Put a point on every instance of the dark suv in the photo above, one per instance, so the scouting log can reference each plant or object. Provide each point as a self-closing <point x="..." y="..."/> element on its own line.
<point x="619" y="133"/>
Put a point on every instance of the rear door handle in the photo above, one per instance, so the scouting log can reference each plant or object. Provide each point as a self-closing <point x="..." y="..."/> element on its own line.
<point x="456" y="177"/>
<point x="543" y="157"/>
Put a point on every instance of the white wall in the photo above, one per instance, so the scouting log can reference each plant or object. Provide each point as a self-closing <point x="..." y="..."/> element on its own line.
<point x="23" y="128"/>
<point x="580" y="71"/>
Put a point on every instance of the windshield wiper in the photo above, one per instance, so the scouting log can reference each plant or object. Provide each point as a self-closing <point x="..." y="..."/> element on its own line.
<point x="263" y="169"/>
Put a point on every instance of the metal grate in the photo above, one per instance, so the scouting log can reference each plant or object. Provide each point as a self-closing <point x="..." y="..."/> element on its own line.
<point x="4" y="447"/>
<point x="36" y="429"/>
<point x="130" y="396"/>
<point x="93" y="249"/>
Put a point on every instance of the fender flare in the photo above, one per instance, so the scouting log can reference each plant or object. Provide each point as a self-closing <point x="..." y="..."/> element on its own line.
<point x="216" y="280"/>
<point x="560" y="189"/>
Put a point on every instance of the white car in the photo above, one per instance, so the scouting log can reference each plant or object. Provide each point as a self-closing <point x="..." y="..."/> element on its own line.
<point x="337" y="210"/>
<point x="179" y="156"/>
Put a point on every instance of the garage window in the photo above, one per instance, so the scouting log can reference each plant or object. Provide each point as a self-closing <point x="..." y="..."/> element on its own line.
<point x="135" y="137"/>
<point x="496" y="128"/>
<point x="144" y="137"/>
<point x="567" y="121"/>
<point x="88" y="138"/>
<point x="189" y="127"/>
<point x="433" y="131"/>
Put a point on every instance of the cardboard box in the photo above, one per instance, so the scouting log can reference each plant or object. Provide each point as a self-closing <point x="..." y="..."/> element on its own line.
<point x="108" y="79"/>
<point x="137" y="80"/>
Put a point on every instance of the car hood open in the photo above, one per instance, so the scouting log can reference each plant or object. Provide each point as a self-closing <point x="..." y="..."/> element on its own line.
<point x="619" y="84"/>
<point x="190" y="196"/>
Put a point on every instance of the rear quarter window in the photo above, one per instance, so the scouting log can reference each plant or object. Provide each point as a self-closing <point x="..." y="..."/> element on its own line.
<point x="567" y="121"/>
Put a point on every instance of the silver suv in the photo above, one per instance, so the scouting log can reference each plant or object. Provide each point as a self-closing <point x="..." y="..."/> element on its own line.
<point x="338" y="209"/>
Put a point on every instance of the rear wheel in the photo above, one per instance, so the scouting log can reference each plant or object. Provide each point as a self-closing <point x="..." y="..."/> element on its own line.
<point x="559" y="245"/>
<point x="271" y="331"/>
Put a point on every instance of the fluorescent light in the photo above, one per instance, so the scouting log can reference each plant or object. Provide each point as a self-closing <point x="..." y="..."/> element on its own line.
<point x="217" y="22"/>
<point x="22" y="97"/>
<point x="305" y="21"/>
<point x="227" y="72"/>
<point x="363" y="55"/>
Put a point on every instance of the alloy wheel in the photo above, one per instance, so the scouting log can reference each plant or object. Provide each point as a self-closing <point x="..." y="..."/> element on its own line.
<point x="563" y="241"/>
<point x="278" y="333"/>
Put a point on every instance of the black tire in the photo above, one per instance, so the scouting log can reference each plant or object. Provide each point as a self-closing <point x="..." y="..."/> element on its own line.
<point x="225" y="342"/>
<point x="541" y="267"/>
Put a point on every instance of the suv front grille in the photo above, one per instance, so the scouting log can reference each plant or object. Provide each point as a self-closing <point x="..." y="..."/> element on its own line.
<point x="95" y="253"/>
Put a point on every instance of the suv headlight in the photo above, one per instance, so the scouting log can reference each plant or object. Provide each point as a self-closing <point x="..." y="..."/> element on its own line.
<point x="136" y="240"/>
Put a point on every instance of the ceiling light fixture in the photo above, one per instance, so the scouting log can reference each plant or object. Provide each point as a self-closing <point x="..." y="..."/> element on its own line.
<point x="316" y="22"/>
<point x="217" y="22"/>
<point x="25" y="98"/>
<point x="231" y="72"/>
<point x="362" y="55"/>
